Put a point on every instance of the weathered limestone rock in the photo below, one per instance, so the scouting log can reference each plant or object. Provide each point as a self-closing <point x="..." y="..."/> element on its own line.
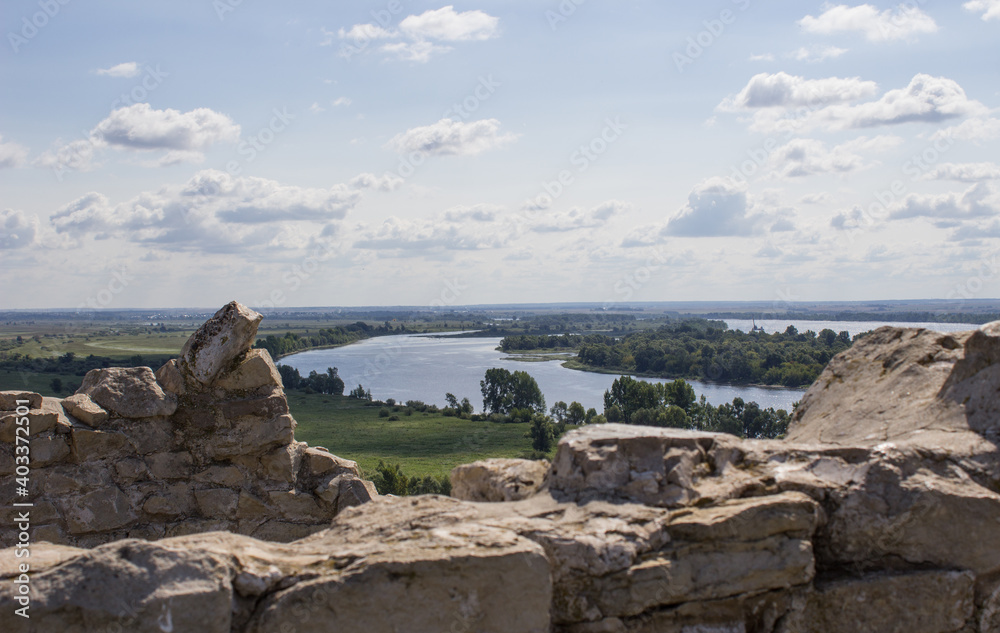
<point x="498" y="479"/>
<point x="130" y="392"/>
<point x="218" y="342"/>
<point x="81" y="407"/>
<point x="255" y="370"/>
<point x="9" y="400"/>
<point x="915" y="602"/>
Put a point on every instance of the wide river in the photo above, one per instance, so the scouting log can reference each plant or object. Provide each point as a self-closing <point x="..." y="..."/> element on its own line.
<point x="417" y="367"/>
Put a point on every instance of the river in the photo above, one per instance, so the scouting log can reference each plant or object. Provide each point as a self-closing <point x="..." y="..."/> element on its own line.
<point x="417" y="367"/>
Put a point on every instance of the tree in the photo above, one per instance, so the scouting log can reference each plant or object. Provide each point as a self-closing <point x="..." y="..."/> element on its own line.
<point x="542" y="434"/>
<point x="560" y="411"/>
<point x="56" y="385"/>
<point x="576" y="413"/>
<point x="451" y="400"/>
<point x="504" y="392"/>
<point x="466" y="406"/>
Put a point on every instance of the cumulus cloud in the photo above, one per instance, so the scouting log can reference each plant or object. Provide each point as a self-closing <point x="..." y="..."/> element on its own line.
<point x="183" y="135"/>
<point x="387" y="182"/>
<point x="807" y="157"/>
<point x="139" y="126"/>
<point x="126" y="69"/>
<point x="964" y="172"/>
<point x="892" y="24"/>
<point x="977" y="202"/>
<point x="420" y="51"/>
<point x="975" y="129"/>
<point x="446" y="24"/>
<point x="420" y="37"/>
<point x="716" y="208"/>
<point x="450" y="231"/>
<point x="781" y="90"/>
<point x="577" y="218"/>
<point x="213" y="212"/>
<point x="449" y="137"/>
<point x="17" y="230"/>
<point x="475" y="213"/>
<point x="12" y="155"/>
<point x="817" y="54"/>
<point x="989" y="8"/>
<point x="824" y="103"/>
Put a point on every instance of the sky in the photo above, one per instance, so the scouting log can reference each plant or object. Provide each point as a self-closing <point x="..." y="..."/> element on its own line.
<point x="186" y="153"/>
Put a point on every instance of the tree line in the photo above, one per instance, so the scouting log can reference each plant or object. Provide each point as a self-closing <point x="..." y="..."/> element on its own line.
<point x="706" y="350"/>
<point x="278" y="346"/>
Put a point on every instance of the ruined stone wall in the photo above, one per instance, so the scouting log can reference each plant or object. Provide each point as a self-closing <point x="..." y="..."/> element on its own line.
<point x="204" y="444"/>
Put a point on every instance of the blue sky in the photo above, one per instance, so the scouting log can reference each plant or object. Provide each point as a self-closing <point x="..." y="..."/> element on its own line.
<point x="185" y="153"/>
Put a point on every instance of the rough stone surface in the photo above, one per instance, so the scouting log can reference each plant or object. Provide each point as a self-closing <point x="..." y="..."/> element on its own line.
<point x="126" y="457"/>
<point x="128" y="392"/>
<point x="217" y="343"/>
<point x="81" y="407"/>
<point x="881" y="512"/>
<point x="498" y="479"/>
<point x="9" y="400"/>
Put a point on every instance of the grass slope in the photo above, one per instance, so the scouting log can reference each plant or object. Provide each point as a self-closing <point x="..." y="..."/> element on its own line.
<point x="422" y="444"/>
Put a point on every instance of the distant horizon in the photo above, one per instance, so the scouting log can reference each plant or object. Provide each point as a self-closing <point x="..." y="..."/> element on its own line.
<point x="591" y="305"/>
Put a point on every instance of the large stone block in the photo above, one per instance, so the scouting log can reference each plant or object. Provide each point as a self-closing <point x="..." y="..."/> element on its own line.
<point x="11" y="400"/>
<point x="498" y="479"/>
<point x="255" y="370"/>
<point x="219" y="341"/>
<point x="98" y="511"/>
<point x="81" y="407"/>
<point x="130" y="392"/>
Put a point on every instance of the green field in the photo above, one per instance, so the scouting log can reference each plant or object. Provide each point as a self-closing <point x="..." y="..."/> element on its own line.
<point x="422" y="444"/>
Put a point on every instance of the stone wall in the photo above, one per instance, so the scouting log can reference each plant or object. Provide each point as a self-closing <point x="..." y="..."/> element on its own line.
<point x="880" y="513"/>
<point x="206" y="443"/>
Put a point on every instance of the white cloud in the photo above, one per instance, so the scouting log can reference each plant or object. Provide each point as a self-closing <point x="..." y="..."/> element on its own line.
<point x="212" y="212"/>
<point x="764" y="57"/>
<point x="576" y="218"/>
<point x="364" y="32"/>
<point x="387" y="182"/>
<point x="447" y="25"/>
<point x="989" y="8"/>
<point x="76" y="155"/>
<point x="448" y="137"/>
<point x="979" y="201"/>
<point x="12" y="155"/>
<point x="450" y="231"/>
<point x="901" y="23"/>
<point x="17" y="230"/>
<point x="420" y="51"/>
<point x="183" y="135"/>
<point x="316" y="108"/>
<point x="716" y="208"/>
<point x="926" y="99"/>
<point x="341" y="101"/>
<point x="781" y="90"/>
<point x="976" y="129"/>
<point x="127" y="69"/>
<point x="420" y="37"/>
<point x="807" y="157"/>
<point x="817" y="53"/>
<point x="475" y="213"/>
<point x="965" y="172"/>
<point x="141" y="127"/>
<point x="816" y="198"/>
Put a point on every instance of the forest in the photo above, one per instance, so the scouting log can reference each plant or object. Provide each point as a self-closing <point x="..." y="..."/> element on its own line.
<point x="706" y="350"/>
